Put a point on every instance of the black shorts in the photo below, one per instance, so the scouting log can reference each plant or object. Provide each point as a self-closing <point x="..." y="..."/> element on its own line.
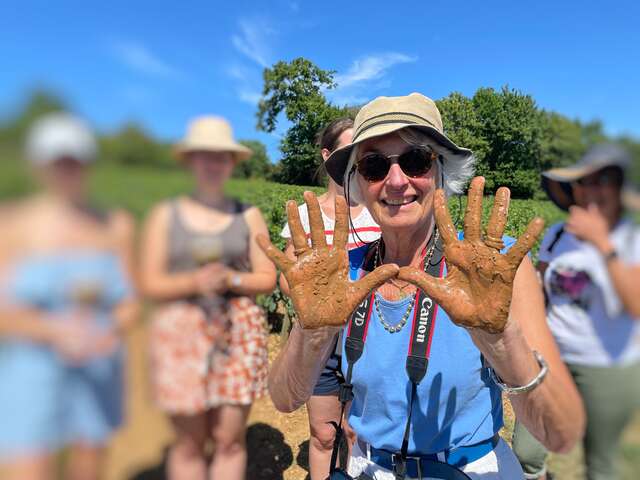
<point x="331" y="377"/>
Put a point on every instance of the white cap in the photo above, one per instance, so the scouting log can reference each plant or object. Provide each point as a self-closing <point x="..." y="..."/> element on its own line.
<point x="60" y="135"/>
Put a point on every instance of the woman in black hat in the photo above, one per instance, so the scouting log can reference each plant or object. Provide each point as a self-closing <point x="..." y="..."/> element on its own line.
<point x="590" y="267"/>
<point x="429" y="346"/>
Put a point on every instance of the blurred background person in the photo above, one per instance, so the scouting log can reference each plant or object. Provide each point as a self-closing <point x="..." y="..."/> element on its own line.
<point x="66" y="299"/>
<point x="590" y="267"/>
<point x="323" y="406"/>
<point x="201" y="264"/>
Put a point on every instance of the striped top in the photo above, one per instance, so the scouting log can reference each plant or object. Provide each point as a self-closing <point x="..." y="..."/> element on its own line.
<point x="364" y="228"/>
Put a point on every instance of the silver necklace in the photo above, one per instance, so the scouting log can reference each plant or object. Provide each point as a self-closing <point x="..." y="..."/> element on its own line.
<point x="403" y="321"/>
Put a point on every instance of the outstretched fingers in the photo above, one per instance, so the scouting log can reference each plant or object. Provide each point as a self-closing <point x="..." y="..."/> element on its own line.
<point x="473" y="214"/>
<point x="298" y="235"/>
<point x="276" y="256"/>
<point x="341" y="229"/>
<point x="526" y="241"/>
<point x="446" y="228"/>
<point x="316" y="225"/>
<point x="498" y="219"/>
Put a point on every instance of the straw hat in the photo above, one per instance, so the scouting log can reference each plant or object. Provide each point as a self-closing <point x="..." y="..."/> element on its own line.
<point x="211" y="134"/>
<point x="557" y="181"/>
<point x="384" y="115"/>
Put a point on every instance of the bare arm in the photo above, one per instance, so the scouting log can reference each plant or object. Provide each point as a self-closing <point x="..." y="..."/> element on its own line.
<point x="155" y="281"/>
<point x="590" y="225"/>
<point x="553" y="411"/>
<point x="625" y="279"/>
<point x="128" y="311"/>
<point x="296" y="370"/>
<point x="262" y="277"/>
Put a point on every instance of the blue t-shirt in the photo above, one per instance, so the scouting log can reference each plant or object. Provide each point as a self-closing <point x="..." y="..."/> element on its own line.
<point x="456" y="405"/>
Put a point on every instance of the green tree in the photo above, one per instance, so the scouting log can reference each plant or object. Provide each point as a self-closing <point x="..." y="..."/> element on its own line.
<point x="295" y="89"/>
<point x="512" y="126"/>
<point x="133" y="146"/>
<point x="256" y="166"/>
<point x="562" y="142"/>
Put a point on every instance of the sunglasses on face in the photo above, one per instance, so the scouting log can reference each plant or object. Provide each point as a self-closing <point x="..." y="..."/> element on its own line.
<point x="417" y="162"/>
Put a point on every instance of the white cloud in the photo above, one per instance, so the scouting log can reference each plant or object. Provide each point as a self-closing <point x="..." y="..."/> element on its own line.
<point x="245" y="84"/>
<point x="249" y="96"/>
<point x="253" y="40"/>
<point x="371" y="67"/>
<point x="138" y="57"/>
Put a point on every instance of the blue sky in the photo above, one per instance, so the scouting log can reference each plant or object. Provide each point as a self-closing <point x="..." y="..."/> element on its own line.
<point x="162" y="62"/>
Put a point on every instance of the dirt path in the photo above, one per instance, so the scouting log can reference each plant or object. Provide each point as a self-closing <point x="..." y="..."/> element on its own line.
<point x="277" y="443"/>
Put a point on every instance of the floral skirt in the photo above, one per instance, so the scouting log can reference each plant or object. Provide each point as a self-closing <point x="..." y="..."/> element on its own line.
<point x="202" y="361"/>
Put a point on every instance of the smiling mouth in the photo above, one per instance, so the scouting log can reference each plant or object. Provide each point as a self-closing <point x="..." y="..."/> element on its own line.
<point x="398" y="202"/>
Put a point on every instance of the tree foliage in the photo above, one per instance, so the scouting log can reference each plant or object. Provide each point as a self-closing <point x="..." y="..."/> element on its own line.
<point x="256" y="166"/>
<point x="295" y="90"/>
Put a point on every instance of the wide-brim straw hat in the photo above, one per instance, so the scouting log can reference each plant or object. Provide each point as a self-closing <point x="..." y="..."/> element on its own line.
<point x="557" y="181"/>
<point x="211" y="134"/>
<point x="385" y="115"/>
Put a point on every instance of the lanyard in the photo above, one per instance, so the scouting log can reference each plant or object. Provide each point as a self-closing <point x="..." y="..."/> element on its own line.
<point x="423" y="325"/>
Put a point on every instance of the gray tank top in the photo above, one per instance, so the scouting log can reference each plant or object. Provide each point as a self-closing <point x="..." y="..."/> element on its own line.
<point x="188" y="249"/>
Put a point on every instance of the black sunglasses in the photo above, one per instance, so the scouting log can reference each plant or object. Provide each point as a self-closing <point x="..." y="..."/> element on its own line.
<point x="417" y="162"/>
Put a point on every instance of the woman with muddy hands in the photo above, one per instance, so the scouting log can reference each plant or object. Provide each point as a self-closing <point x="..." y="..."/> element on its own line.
<point x="461" y="311"/>
<point x="323" y="406"/>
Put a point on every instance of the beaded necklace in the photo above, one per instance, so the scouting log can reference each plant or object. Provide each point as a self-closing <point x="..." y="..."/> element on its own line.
<point x="403" y="321"/>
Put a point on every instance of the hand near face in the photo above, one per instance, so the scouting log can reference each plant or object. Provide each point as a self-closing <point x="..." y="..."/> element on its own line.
<point x="588" y="224"/>
<point x="321" y="291"/>
<point x="476" y="293"/>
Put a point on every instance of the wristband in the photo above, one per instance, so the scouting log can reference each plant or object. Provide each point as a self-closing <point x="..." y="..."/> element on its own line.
<point x="544" y="369"/>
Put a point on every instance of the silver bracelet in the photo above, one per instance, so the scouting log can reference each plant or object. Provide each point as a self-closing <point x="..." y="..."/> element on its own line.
<point x="544" y="369"/>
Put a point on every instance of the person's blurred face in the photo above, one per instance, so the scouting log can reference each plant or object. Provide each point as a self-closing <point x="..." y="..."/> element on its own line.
<point x="65" y="176"/>
<point x="344" y="139"/>
<point x="601" y="188"/>
<point x="397" y="201"/>
<point x="211" y="169"/>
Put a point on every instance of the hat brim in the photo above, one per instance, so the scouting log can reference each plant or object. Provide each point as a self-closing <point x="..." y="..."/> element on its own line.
<point x="337" y="162"/>
<point x="239" y="152"/>
<point x="557" y="185"/>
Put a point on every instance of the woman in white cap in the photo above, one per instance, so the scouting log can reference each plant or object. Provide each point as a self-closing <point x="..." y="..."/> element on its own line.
<point x="438" y="323"/>
<point x="590" y="266"/>
<point x="201" y="265"/>
<point x="66" y="298"/>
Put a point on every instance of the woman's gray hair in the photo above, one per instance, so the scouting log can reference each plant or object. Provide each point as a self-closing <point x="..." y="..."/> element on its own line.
<point x="454" y="170"/>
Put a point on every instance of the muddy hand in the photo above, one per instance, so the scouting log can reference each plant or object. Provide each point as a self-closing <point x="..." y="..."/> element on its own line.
<point x="321" y="291"/>
<point x="476" y="293"/>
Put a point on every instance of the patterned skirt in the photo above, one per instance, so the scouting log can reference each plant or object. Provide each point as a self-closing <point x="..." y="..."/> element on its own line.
<point x="202" y="361"/>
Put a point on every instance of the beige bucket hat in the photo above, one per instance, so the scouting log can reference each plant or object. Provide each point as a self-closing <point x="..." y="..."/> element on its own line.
<point x="211" y="134"/>
<point x="384" y="115"/>
<point x="557" y="181"/>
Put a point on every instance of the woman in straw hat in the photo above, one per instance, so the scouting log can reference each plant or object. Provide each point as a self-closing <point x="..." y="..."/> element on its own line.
<point x="590" y="266"/>
<point x="427" y="357"/>
<point x="66" y="300"/>
<point x="208" y="343"/>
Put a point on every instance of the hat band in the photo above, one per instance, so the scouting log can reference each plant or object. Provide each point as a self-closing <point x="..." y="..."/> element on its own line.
<point x="405" y="118"/>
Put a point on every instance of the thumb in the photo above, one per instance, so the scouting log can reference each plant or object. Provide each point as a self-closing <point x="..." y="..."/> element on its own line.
<point x="372" y="281"/>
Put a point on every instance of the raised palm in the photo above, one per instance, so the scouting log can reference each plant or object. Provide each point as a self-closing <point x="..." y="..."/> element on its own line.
<point x="476" y="293"/>
<point x="319" y="284"/>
